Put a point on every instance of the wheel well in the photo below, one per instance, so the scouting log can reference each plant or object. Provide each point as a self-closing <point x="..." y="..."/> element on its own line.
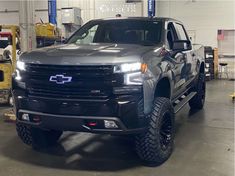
<point x="163" y="88"/>
<point x="202" y="67"/>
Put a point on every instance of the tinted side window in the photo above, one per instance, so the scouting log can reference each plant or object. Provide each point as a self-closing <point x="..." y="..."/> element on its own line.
<point x="170" y="35"/>
<point x="180" y="32"/>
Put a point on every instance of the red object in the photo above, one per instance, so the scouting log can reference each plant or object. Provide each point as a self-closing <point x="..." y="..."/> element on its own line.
<point x="5" y="34"/>
<point x="220" y="35"/>
<point x="163" y="52"/>
<point x="92" y="124"/>
<point x="36" y="119"/>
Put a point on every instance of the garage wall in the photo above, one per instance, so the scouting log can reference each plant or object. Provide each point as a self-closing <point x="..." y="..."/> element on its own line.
<point x="9" y="12"/>
<point x="203" y="17"/>
<point x="90" y="9"/>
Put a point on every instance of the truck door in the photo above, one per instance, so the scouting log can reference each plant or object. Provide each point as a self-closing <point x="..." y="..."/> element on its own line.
<point x="187" y="70"/>
<point x="178" y="61"/>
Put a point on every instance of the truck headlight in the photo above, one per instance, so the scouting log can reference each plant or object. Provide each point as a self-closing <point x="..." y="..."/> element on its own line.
<point x="20" y="65"/>
<point x="17" y="75"/>
<point x="133" y="72"/>
<point x="129" y="67"/>
<point x="135" y="78"/>
<point x="18" y="79"/>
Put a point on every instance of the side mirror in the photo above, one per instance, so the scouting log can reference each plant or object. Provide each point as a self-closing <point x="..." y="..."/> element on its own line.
<point x="182" y="45"/>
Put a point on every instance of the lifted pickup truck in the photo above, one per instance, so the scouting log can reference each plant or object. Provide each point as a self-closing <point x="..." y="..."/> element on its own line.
<point x="113" y="76"/>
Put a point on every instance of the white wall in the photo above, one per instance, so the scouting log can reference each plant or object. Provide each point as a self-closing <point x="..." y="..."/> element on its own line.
<point x="107" y="8"/>
<point x="204" y="17"/>
<point x="8" y="12"/>
<point x="90" y="9"/>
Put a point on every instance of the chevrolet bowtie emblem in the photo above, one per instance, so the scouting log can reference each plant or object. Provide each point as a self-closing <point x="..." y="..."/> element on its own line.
<point x="60" y="79"/>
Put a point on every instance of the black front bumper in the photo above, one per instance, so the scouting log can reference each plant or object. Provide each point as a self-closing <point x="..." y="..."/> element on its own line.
<point x="77" y="114"/>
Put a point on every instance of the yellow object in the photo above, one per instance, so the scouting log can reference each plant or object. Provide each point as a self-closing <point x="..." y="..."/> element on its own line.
<point x="5" y="81"/>
<point x="45" y="30"/>
<point x="233" y="95"/>
<point x="9" y="116"/>
<point x="8" y="67"/>
<point x="5" y="71"/>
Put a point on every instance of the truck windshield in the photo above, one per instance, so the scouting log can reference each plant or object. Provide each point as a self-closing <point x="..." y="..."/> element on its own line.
<point x="119" y="31"/>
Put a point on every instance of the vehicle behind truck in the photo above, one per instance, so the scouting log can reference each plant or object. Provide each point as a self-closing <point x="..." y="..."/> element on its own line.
<point x="124" y="76"/>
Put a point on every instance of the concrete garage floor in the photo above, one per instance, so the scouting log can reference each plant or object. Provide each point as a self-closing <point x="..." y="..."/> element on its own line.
<point x="204" y="146"/>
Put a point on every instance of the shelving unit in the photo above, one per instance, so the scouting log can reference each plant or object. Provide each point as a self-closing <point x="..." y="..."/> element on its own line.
<point x="209" y="63"/>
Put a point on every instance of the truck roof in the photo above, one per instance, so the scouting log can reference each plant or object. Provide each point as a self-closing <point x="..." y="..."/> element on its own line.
<point x="140" y="18"/>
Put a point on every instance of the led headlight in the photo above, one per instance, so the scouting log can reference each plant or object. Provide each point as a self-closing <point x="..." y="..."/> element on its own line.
<point x="130" y="67"/>
<point x="20" y="65"/>
<point x="17" y="75"/>
<point x="18" y="79"/>
<point x="135" y="78"/>
<point x="133" y="72"/>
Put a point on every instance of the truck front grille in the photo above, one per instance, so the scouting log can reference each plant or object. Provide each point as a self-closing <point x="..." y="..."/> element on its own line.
<point x="88" y="82"/>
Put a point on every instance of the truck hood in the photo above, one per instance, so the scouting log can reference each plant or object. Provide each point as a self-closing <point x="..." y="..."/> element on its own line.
<point x="72" y="54"/>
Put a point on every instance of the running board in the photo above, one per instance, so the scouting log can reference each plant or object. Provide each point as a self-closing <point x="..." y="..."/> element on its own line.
<point x="181" y="104"/>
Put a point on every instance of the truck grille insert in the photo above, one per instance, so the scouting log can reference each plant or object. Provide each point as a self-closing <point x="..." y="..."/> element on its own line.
<point x="88" y="82"/>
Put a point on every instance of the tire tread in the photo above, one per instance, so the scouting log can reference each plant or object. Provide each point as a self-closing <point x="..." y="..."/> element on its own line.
<point x="146" y="145"/>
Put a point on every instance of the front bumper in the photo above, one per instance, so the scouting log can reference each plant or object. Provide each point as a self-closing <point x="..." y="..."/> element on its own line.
<point x="76" y="115"/>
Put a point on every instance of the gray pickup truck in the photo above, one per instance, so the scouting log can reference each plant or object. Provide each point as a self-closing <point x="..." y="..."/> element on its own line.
<point x="123" y="76"/>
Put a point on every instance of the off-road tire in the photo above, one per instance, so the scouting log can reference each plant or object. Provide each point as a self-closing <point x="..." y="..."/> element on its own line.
<point x="197" y="102"/>
<point x="148" y="144"/>
<point x="37" y="138"/>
